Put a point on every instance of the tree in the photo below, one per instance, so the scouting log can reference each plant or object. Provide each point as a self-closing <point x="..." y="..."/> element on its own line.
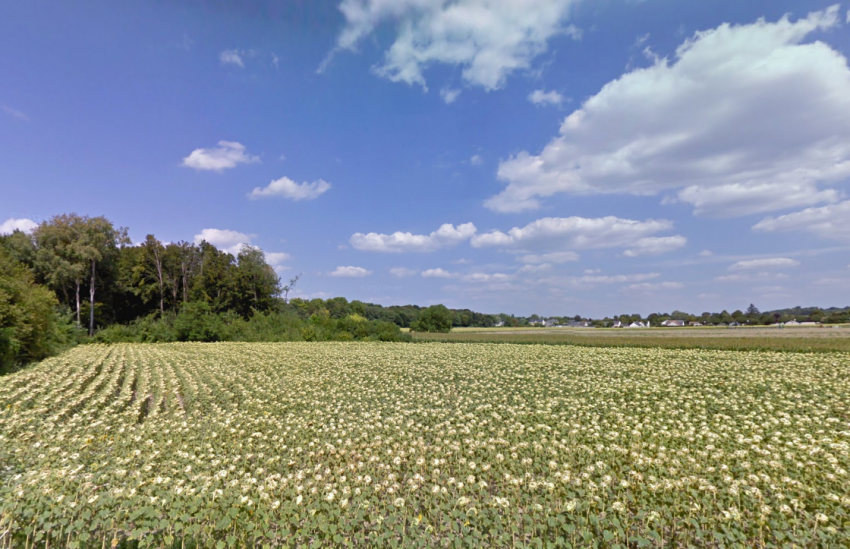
<point x="154" y="266"/>
<point x="57" y="259"/>
<point x="753" y="311"/>
<point x="256" y="283"/>
<point x="436" y="318"/>
<point x="97" y="241"/>
<point x="289" y="287"/>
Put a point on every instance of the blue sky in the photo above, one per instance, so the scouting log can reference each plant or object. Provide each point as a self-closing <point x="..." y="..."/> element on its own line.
<point x="549" y="156"/>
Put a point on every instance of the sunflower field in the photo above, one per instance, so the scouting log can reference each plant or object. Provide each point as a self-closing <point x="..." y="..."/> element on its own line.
<point x="424" y="445"/>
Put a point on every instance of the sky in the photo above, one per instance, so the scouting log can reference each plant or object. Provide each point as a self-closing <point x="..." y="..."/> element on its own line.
<point x="557" y="157"/>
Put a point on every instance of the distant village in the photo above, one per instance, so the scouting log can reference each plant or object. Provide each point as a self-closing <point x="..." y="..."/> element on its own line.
<point x="797" y="316"/>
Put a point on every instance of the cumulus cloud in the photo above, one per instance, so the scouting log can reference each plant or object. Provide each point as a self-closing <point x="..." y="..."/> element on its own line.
<point x="225" y="239"/>
<point x="21" y="224"/>
<point x="227" y="155"/>
<point x="574" y="232"/>
<point x="438" y="273"/>
<point x="551" y="257"/>
<point x="231" y="57"/>
<point x="449" y="95"/>
<point x="826" y="222"/>
<point x="767" y="263"/>
<point x="350" y="272"/>
<point x="655" y="245"/>
<point x="446" y="236"/>
<point x="744" y="119"/>
<point x="402" y="272"/>
<point x="476" y="160"/>
<point x="14" y="113"/>
<point x="488" y="39"/>
<point x="540" y="97"/>
<point x="276" y="258"/>
<point x="287" y="188"/>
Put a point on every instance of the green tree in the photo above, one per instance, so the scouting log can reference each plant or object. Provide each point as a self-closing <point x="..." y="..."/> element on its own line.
<point x="29" y="325"/>
<point x="436" y="318"/>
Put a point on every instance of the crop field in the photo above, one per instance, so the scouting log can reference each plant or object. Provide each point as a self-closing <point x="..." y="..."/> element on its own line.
<point x="771" y="338"/>
<point x="425" y="445"/>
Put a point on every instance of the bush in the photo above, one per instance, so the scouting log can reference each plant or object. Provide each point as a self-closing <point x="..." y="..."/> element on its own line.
<point x="197" y="322"/>
<point x="31" y="326"/>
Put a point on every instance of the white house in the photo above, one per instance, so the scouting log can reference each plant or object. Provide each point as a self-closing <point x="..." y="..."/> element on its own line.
<point x="673" y="323"/>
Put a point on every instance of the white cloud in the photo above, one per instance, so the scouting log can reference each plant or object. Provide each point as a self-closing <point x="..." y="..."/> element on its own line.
<point x="767" y="263"/>
<point x="551" y="257"/>
<point x="826" y="222"/>
<point x="595" y="279"/>
<point x="227" y="155"/>
<point x="487" y="277"/>
<point x="438" y="273"/>
<point x="461" y="261"/>
<point x="654" y="286"/>
<point x="592" y="271"/>
<point x="449" y="95"/>
<point x="706" y="253"/>
<point x="655" y="245"/>
<point x="574" y="232"/>
<point x="350" y="272"/>
<point x="540" y="97"/>
<point x="402" y="272"/>
<point x="744" y="119"/>
<point x="225" y="239"/>
<point x="287" y="188"/>
<point x="476" y="160"/>
<point x="543" y="267"/>
<point x="447" y="235"/>
<point x="231" y="57"/>
<point x="760" y="277"/>
<point x="276" y="258"/>
<point x="489" y="39"/>
<point x="22" y="224"/>
<point x="14" y="113"/>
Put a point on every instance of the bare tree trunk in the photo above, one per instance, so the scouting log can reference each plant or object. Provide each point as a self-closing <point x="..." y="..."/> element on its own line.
<point x="78" y="303"/>
<point x="91" y="300"/>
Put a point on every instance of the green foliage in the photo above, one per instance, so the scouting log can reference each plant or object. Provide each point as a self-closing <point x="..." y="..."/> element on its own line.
<point x="198" y="322"/>
<point x="31" y="327"/>
<point x="436" y="318"/>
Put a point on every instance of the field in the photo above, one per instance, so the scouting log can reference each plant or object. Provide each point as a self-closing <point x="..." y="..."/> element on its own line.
<point x="425" y="445"/>
<point x="800" y="339"/>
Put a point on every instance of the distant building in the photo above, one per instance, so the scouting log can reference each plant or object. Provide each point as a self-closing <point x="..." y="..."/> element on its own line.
<point x="673" y="323"/>
<point x="578" y="324"/>
<point x="694" y="323"/>
<point x="500" y="324"/>
<point x="637" y="324"/>
<point x="617" y="324"/>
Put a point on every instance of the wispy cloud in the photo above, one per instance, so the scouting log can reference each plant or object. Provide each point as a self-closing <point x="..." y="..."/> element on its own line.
<point x="14" y="113"/>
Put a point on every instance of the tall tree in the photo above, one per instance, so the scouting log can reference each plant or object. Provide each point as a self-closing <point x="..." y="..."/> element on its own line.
<point x="98" y="241"/>
<point x="155" y="266"/>
<point x="57" y="260"/>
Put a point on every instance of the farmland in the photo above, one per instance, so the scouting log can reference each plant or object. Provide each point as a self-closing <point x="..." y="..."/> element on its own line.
<point x="371" y="444"/>
<point x="764" y="338"/>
